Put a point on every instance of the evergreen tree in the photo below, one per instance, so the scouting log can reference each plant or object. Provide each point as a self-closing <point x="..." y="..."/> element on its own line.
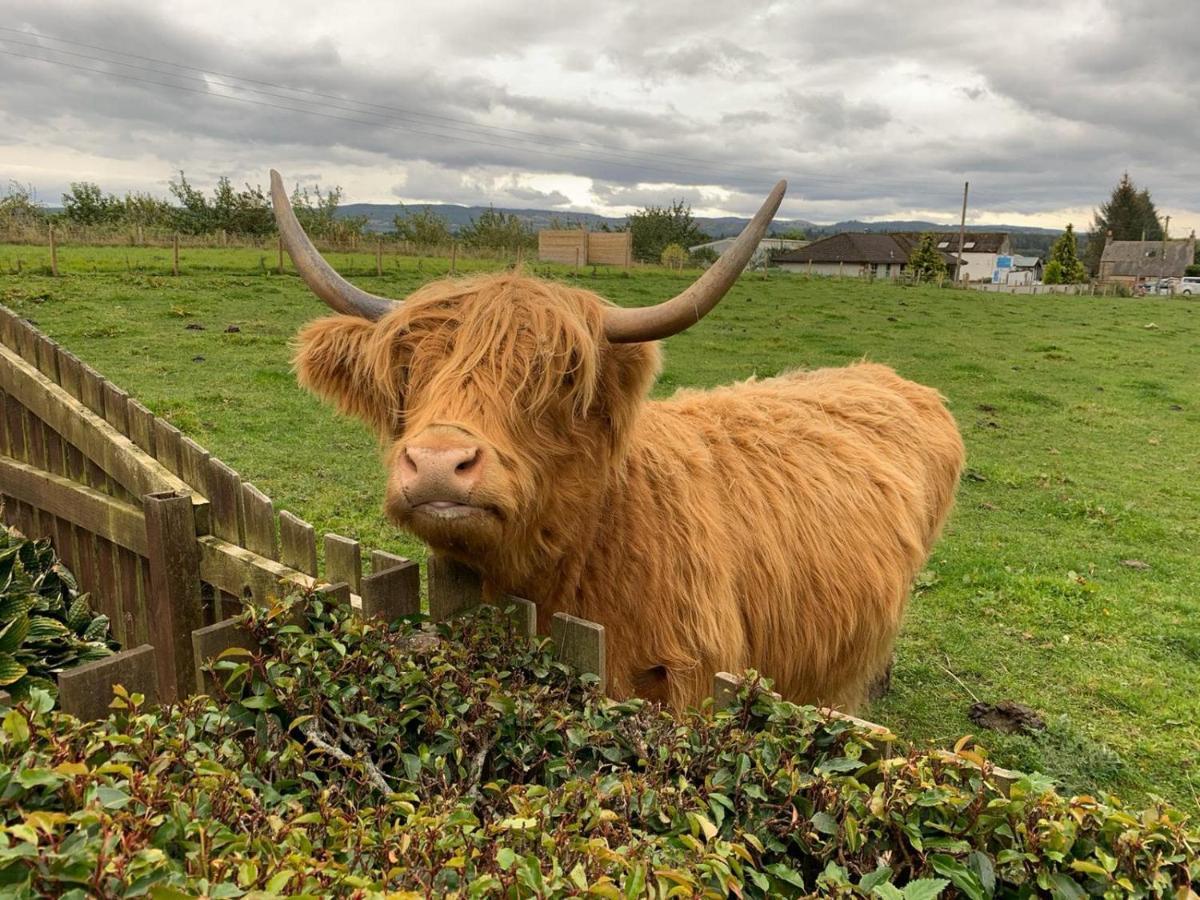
<point x="1129" y="214"/>
<point x="925" y="261"/>
<point x="1064" y="266"/>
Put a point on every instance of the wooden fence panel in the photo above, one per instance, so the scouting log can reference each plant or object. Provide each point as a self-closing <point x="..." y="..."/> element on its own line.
<point x="610" y="248"/>
<point x="86" y="691"/>
<point x="567" y="246"/>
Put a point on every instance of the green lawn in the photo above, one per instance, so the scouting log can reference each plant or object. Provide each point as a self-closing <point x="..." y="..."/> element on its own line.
<point x="1081" y="417"/>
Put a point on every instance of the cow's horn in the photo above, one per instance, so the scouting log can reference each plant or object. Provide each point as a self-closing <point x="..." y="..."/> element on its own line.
<point x="651" y="323"/>
<point x="320" y="277"/>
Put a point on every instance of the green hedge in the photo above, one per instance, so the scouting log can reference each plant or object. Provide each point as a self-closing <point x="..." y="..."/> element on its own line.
<point x="46" y="625"/>
<point x="350" y="759"/>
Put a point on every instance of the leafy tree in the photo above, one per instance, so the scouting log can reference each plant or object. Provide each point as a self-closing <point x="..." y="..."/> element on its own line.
<point x="86" y="204"/>
<point x="790" y="234"/>
<point x="425" y="228"/>
<point x="240" y="212"/>
<point x="925" y="261"/>
<point x="147" y="210"/>
<point x="1064" y="266"/>
<point x="1129" y="214"/>
<point x="498" y="230"/>
<point x="654" y="227"/>
<point x="317" y="214"/>
<point x="194" y="215"/>
<point x="19" y="207"/>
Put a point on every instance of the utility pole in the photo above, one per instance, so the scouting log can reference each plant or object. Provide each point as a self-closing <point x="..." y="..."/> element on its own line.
<point x="1163" y="254"/>
<point x="962" y="233"/>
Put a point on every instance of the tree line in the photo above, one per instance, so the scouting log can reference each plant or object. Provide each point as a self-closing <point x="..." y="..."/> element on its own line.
<point x="658" y="232"/>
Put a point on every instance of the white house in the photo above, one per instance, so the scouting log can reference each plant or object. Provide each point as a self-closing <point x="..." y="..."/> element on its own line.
<point x="981" y="249"/>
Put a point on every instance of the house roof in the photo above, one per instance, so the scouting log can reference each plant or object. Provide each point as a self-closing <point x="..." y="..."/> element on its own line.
<point x="850" y="247"/>
<point x="1147" y="259"/>
<point x="973" y="241"/>
<point x="1025" y="262"/>
<point x="857" y="248"/>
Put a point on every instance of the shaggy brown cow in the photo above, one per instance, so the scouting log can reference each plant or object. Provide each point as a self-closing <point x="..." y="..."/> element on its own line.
<point x="774" y="524"/>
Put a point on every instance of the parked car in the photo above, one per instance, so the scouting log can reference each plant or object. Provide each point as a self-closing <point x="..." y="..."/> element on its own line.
<point x="1189" y="285"/>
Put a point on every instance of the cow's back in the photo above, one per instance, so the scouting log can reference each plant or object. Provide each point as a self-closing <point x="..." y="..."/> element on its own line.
<point x="788" y="518"/>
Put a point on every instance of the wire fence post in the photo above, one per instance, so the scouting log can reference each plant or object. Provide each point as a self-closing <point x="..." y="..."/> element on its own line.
<point x="53" y="254"/>
<point x="175" y="254"/>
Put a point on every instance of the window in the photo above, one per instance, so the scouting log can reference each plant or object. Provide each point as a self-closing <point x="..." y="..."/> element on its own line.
<point x="942" y="245"/>
<point x="968" y="245"/>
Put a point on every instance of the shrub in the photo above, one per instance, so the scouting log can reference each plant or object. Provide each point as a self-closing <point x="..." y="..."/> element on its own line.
<point x="46" y="626"/>
<point x="673" y="256"/>
<point x="348" y="758"/>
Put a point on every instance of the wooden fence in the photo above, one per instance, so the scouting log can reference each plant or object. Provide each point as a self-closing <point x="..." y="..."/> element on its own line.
<point x="576" y="247"/>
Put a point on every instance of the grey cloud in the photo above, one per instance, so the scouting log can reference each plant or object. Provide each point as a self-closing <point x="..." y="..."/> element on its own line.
<point x="690" y="94"/>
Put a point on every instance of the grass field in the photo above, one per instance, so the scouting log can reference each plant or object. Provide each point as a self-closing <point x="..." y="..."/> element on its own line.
<point x="1081" y="417"/>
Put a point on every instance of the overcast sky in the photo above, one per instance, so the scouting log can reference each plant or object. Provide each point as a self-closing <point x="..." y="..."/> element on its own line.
<point x="870" y="110"/>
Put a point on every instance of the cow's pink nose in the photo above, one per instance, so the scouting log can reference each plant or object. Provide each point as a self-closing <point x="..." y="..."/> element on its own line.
<point x="453" y="469"/>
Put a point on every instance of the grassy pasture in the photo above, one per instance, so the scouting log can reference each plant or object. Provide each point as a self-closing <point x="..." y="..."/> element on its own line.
<point x="1081" y="417"/>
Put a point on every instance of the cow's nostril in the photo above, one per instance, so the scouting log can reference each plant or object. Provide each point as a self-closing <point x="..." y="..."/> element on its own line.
<point x="469" y="463"/>
<point x="406" y="461"/>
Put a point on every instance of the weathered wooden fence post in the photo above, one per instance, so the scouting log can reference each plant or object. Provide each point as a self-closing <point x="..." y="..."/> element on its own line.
<point x="379" y="257"/>
<point x="453" y="588"/>
<point x="454" y="257"/>
<point x="580" y="644"/>
<point x="53" y="254"/>
<point x="393" y="589"/>
<point x="175" y="254"/>
<point x="279" y="242"/>
<point x="175" y="603"/>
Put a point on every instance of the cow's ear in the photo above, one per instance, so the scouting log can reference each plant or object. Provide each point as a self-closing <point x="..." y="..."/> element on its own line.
<point x="629" y="373"/>
<point x="335" y="360"/>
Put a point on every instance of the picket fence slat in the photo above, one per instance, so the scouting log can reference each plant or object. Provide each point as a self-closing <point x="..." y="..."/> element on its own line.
<point x="297" y="544"/>
<point x="580" y="644"/>
<point x="393" y="592"/>
<point x="210" y="642"/>
<point x="453" y="588"/>
<point x="86" y="691"/>
<point x="225" y="495"/>
<point x="343" y="561"/>
<point x="524" y="614"/>
<point x="259" y="524"/>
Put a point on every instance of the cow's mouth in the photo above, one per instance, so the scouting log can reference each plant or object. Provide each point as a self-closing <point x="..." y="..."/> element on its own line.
<point x="449" y="510"/>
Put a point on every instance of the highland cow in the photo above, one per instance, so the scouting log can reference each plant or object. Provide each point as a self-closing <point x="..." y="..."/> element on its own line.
<point x="774" y="524"/>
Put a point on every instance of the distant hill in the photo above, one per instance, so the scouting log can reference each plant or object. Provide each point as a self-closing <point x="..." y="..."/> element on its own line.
<point x="380" y="218"/>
